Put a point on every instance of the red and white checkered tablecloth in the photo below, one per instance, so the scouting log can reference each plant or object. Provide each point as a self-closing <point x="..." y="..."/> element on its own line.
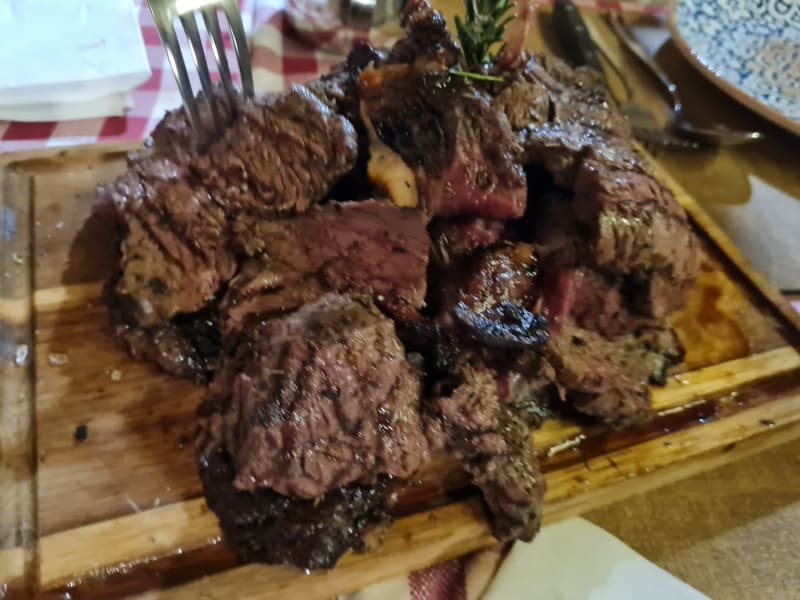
<point x="279" y="59"/>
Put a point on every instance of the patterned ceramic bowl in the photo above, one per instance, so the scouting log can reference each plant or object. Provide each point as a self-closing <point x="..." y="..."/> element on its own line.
<point x="749" y="48"/>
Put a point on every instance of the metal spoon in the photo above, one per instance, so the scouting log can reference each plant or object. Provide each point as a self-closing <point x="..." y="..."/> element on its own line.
<point x="678" y="122"/>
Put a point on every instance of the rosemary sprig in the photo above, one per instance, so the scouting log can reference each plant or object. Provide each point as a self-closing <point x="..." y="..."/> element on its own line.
<point x="476" y="76"/>
<point x="484" y="27"/>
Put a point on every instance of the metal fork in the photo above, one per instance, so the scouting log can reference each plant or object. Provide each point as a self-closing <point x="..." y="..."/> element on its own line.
<point x="678" y="123"/>
<point x="165" y="13"/>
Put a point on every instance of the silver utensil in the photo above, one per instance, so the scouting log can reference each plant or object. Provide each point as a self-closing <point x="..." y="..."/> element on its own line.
<point x="582" y="50"/>
<point x="165" y="13"/>
<point x="643" y="123"/>
<point x="678" y="122"/>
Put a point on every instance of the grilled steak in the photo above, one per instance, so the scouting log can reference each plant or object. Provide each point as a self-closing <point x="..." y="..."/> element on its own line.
<point x="491" y="298"/>
<point x="637" y="224"/>
<point x="509" y="234"/>
<point x="562" y="116"/>
<point x="371" y="247"/>
<point x="266" y="527"/>
<point x="607" y="378"/>
<point x="460" y="153"/>
<point x="314" y="405"/>
<point x="176" y="206"/>
<point x="315" y="400"/>
<point x="478" y="423"/>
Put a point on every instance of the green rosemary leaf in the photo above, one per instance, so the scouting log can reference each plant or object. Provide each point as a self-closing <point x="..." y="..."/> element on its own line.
<point x="476" y="76"/>
<point x="484" y="27"/>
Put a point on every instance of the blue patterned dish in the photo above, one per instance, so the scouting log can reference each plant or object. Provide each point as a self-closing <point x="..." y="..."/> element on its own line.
<point x="750" y="48"/>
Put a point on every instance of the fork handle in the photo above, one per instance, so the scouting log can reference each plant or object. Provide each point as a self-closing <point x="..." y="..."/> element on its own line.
<point x="574" y="36"/>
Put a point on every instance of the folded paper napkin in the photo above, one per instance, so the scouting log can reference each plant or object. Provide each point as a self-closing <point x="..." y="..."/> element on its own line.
<point x="70" y="59"/>
<point x="572" y="560"/>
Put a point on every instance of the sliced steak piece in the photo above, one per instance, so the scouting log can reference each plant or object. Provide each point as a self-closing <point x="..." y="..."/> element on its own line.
<point x="561" y="149"/>
<point x="607" y="378"/>
<point x="492" y="443"/>
<point x="460" y="152"/>
<point x="174" y="256"/>
<point x="484" y="178"/>
<point x="547" y="90"/>
<point x="566" y="123"/>
<point x="637" y="224"/>
<point x="456" y="237"/>
<point x="614" y="290"/>
<point x="561" y="116"/>
<point x="280" y="154"/>
<point x="307" y="432"/>
<point x="316" y="400"/>
<point x="490" y="297"/>
<point x="371" y="247"/>
<point x="580" y="97"/>
<point x="263" y="526"/>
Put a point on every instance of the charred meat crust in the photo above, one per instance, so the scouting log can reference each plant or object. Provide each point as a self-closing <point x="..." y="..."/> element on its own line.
<point x="263" y="526"/>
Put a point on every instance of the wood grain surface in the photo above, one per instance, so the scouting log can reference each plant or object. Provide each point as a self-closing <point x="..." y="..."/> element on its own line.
<point x="120" y="512"/>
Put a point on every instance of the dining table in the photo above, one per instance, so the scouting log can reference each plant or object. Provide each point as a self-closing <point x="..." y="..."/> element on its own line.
<point x="732" y="532"/>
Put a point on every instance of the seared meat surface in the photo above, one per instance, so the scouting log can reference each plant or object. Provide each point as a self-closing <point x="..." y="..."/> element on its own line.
<point x="490" y="297"/>
<point x="370" y="247"/>
<point x="476" y="418"/>
<point x="391" y="261"/>
<point x="317" y="399"/>
<point x="264" y="526"/>
<point x="306" y="431"/>
<point x="607" y="378"/>
<point x="462" y="153"/>
<point x="176" y="206"/>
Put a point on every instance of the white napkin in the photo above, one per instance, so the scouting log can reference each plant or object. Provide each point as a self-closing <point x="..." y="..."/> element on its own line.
<point x="576" y="560"/>
<point x="69" y="59"/>
<point x="766" y="230"/>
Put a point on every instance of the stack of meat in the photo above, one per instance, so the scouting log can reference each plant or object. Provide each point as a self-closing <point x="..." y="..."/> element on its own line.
<point x="390" y="261"/>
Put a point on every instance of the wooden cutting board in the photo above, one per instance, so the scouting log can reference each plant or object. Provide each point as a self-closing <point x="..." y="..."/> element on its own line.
<point x="120" y="512"/>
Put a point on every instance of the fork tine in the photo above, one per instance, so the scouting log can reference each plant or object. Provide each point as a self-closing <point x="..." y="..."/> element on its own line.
<point x="163" y="21"/>
<point x="239" y="45"/>
<point x="198" y="54"/>
<point x="212" y="26"/>
<point x="175" y="57"/>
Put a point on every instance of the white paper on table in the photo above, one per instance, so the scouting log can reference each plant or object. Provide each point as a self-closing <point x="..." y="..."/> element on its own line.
<point x="113" y="105"/>
<point x="576" y="560"/>
<point x="63" y="51"/>
<point x="767" y="231"/>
